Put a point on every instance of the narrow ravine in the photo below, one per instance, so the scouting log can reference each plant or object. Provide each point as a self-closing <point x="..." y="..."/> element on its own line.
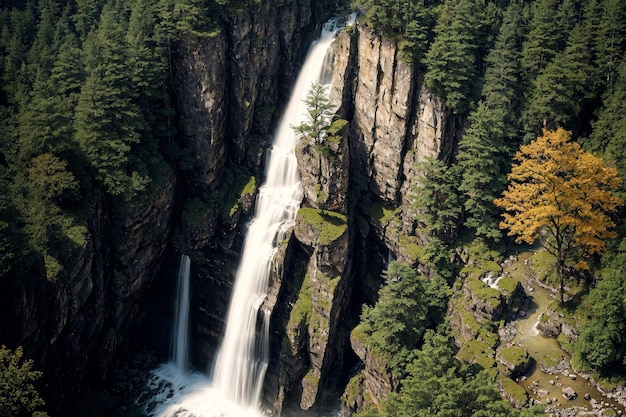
<point x="233" y="386"/>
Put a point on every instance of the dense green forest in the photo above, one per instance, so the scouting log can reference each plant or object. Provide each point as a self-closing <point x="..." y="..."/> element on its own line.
<point x="509" y="70"/>
<point x="86" y="114"/>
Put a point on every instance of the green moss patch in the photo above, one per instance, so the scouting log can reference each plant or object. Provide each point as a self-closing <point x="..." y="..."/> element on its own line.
<point x="488" y="295"/>
<point x="512" y="391"/>
<point x="543" y="267"/>
<point x="301" y="311"/>
<point x="331" y="225"/>
<point x="354" y="388"/>
<point x="508" y="286"/>
<point x="382" y="213"/>
<point x="476" y="352"/>
<point x="513" y="358"/>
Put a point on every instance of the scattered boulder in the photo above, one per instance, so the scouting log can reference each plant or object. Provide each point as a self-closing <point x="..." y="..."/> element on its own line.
<point x="569" y="393"/>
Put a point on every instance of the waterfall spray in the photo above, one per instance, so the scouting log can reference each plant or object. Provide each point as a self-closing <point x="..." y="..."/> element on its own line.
<point x="242" y="358"/>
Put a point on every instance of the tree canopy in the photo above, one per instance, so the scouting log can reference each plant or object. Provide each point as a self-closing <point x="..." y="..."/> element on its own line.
<point x="563" y="195"/>
<point x="18" y="395"/>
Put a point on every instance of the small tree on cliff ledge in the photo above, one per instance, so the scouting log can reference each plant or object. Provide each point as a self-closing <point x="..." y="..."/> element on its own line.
<point x="561" y="193"/>
<point x="319" y="114"/>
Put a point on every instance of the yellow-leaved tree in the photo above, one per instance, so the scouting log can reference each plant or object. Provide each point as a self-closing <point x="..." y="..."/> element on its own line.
<point x="564" y="195"/>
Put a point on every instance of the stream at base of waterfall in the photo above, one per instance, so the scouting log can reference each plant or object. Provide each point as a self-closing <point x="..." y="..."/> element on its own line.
<point x="234" y="384"/>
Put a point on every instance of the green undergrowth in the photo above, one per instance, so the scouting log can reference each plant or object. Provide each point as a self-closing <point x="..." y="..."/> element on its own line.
<point x="481" y="260"/>
<point x="513" y="390"/>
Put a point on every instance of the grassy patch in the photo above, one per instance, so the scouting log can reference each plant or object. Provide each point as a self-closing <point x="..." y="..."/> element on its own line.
<point x="53" y="268"/>
<point x="512" y="390"/>
<point x="330" y="224"/>
<point x="543" y="267"/>
<point x="354" y="387"/>
<point x="78" y="235"/>
<point x="410" y="248"/>
<point x="550" y="361"/>
<point x="382" y="213"/>
<point x="514" y="355"/>
<point x="359" y="335"/>
<point x="507" y="286"/>
<point x="488" y="295"/>
<point x="477" y="352"/>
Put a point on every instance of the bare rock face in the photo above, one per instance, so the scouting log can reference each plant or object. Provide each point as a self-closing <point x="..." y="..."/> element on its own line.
<point x="324" y="170"/>
<point x="309" y="351"/>
<point x="373" y="384"/>
<point x="382" y="112"/>
<point x="202" y="102"/>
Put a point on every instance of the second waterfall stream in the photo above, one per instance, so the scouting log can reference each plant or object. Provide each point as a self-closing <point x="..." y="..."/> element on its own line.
<point x="233" y="388"/>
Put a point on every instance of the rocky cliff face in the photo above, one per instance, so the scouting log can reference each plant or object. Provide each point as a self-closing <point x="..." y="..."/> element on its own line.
<point x="78" y="325"/>
<point x="228" y="89"/>
<point x="357" y="211"/>
<point x="393" y="122"/>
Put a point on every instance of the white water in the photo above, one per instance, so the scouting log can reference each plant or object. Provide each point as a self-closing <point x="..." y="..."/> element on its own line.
<point x="180" y="336"/>
<point x="242" y="359"/>
<point x="492" y="281"/>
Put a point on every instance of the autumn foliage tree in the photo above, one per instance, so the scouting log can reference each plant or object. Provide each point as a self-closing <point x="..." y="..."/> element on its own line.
<point x="564" y="195"/>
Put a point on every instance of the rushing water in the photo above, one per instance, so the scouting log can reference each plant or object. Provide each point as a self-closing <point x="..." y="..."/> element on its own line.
<point x="180" y="336"/>
<point x="241" y="362"/>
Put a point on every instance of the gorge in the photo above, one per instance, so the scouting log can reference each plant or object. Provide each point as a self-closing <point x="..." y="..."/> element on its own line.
<point x="144" y="141"/>
<point x="236" y="380"/>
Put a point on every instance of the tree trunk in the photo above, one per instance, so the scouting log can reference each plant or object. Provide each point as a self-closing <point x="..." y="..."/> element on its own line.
<point x="560" y="270"/>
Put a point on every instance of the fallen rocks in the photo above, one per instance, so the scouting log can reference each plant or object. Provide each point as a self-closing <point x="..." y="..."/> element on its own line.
<point x="569" y="393"/>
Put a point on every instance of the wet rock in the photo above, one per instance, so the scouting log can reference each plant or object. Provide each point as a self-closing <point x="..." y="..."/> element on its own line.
<point x="569" y="393"/>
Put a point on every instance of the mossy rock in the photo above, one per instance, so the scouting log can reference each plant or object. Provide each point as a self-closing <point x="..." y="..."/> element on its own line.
<point x="381" y="213"/>
<point x="354" y="389"/>
<point x="513" y="392"/>
<point x="486" y="301"/>
<point x="320" y="227"/>
<point x="476" y="352"/>
<point x="508" y="286"/>
<point x="543" y="267"/>
<point x="301" y="312"/>
<point x="513" y="361"/>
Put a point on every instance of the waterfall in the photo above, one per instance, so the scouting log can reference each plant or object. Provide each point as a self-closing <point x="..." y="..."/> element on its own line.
<point x="242" y="359"/>
<point x="180" y="335"/>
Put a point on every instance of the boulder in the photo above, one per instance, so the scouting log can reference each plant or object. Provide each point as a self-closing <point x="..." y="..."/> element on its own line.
<point x="569" y="393"/>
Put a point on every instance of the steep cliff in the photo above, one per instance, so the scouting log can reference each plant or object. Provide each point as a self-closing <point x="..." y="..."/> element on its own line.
<point x="227" y="88"/>
<point x="230" y="88"/>
<point x="77" y="325"/>
<point x="393" y="122"/>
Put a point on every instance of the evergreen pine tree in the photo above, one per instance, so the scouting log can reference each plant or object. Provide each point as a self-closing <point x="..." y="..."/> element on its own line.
<point x="480" y="163"/>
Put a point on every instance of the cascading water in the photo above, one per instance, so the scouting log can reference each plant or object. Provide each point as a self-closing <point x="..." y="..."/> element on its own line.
<point x="180" y="336"/>
<point x="243" y="355"/>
